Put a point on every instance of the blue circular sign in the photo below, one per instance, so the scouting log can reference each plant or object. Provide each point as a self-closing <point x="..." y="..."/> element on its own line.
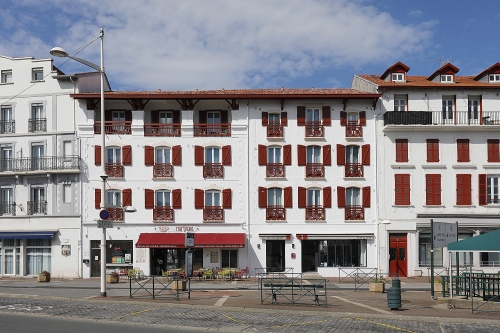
<point x="104" y="214"/>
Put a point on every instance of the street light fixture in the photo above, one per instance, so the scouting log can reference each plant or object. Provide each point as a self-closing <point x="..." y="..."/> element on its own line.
<point x="60" y="52"/>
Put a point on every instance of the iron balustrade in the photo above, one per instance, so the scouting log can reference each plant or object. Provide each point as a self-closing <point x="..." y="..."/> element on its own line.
<point x="37" y="207"/>
<point x="162" y="129"/>
<point x="163" y="170"/>
<point x="163" y="213"/>
<point x="114" y="127"/>
<point x="7" y="208"/>
<point x="46" y="163"/>
<point x="114" y="170"/>
<point x="447" y="118"/>
<point x="315" y="213"/>
<point x="223" y="130"/>
<point x="213" y="170"/>
<point x="493" y="200"/>
<point x="275" y="213"/>
<point x="314" y="129"/>
<point x="157" y="287"/>
<point x="37" y="125"/>
<point x="115" y="213"/>
<point x="315" y="170"/>
<point x="213" y="213"/>
<point x="275" y="170"/>
<point x="354" y="212"/>
<point x="353" y="131"/>
<point x="354" y="170"/>
<point x="7" y="126"/>
<point x="274" y="130"/>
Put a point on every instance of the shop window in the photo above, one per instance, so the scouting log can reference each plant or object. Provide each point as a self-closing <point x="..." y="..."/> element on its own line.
<point x="424" y="252"/>
<point x="229" y="258"/>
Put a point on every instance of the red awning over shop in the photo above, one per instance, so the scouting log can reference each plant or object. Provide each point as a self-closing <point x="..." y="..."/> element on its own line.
<point x="219" y="240"/>
<point x="201" y="240"/>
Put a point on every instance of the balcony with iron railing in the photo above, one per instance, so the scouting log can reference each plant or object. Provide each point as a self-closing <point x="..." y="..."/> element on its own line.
<point x="356" y="213"/>
<point x="213" y="213"/>
<point x="443" y="118"/>
<point x="37" y="125"/>
<point x="275" y="170"/>
<point x="314" y="129"/>
<point x="41" y="164"/>
<point x="274" y="130"/>
<point x="7" y="126"/>
<point x="163" y="213"/>
<point x="223" y="130"/>
<point x="162" y="129"/>
<point x="353" y="130"/>
<point x="163" y="170"/>
<point x="115" y="213"/>
<point x="7" y="209"/>
<point x="114" y="127"/>
<point x="114" y="170"/>
<point x="36" y="207"/>
<point x="354" y="170"/>
<point x="275" y="213"/>
<point x="315" y="213"/>
<point x="213" y="170"/>
<point x="315" y="170"/>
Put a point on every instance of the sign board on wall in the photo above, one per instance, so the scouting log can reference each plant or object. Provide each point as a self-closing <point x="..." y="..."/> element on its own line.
<point x="444" y="234"/>
<point x="140" y="255"/>
<point x="214" y="257"/>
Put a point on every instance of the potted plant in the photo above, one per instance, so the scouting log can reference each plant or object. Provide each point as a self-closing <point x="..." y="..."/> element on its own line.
<point x="377" y="285"/>
<point x="112" y="278"/>
<point x="44" y="276"/>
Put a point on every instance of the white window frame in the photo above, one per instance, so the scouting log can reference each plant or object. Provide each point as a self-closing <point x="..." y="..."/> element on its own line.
<point x="398" y="77"/>
<point x="446" y="78"/>
<point x="37" y="74"/>
<point x="350" y="154"/>
<point x="353" y="196"/>
<point x="37" y="110"/>
<point x="113" y="155"/>
<point x="163" y="198"/>
<point x="213" y="155"/>
<point x="352" y="118"/>
<point x="165" y="117"/>
<point x="400" y="103"/>
<point x="314" y="154"/>
<point x="213" y="117"/>
<point x="114" y="198"/>
<point x="313" y="114"/>
<point x="275" y="154"/>
<point x="495" y="78"/>
<point x="314" y="197"/>
<point x="214" y="197"/>
<point x="274" y="119"/>
<point x="163" y="155"/>
<point x="6" y="76"/>
<point x="473" y="107"/>
<point x="275" y="196"/>
<point x="492" y="189"/>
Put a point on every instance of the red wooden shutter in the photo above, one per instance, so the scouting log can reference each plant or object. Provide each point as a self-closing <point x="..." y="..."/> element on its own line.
<point x="343" y="118"/>
<point x="127" y="155"/>
<point x="149" y="155"/>
<point x="226" y="155"/>
<point x="128" y="115"/>
<point x="340" y="197"/>
<point x="327" y="155"/>
<point x="224" y="119"/>
<point x="284" y="119"/>
<point x="265" y="118"/>
<point x="493" y="150"/>
<point x="365" y="152"/>
<point x="327" y="197"/>
<point x="108" y="116"/>
<point x="97" y="198"/>
<point x="262" y="197"/>
<point x="340" y="155"/>
<point x="302" y="197"/>
<point x="262" y="155"/>
<point x="433" y="189"/>
<point x="155" y="117"/>
<point x="177" y="199"/>
<point x="199" y="155"/>
<point x="149" y="198"/>
<point x="176" y="155"/>
<point x="401" y="150"/>
<point x="127" y="197"/>
<point x="463" y="150"/>
<point x="287" y="155"/>
<point x="202" y="117"/>
<point x="301" y="155"/>
<point x="366" y="196"/>
<point x="176" y="117"/>
<point x="464" y="189"/>
<point x="301" y="115"/>
<point x="288" y="197"/>
<point x="402" y="189"/>
<point x="226" y="199"/>
<point x="199" y="199"/>
<point x="97" y="155"/>
<point x="326" y="115"/>
<point x="483" y="200"/>
<point x="362" y="118"/>
<point x="432" y="150"/>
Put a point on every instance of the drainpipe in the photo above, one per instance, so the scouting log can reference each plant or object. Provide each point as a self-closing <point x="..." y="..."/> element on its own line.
<point x="248" y="184"/>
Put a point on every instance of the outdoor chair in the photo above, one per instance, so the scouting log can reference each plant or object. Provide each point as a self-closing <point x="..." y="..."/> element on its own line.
<point x="208" y="274"/>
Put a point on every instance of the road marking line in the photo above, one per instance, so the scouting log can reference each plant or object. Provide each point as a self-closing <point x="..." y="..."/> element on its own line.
<point x="131" y="314"/>
<point x="363" y="305"/>
<point x="231" y="318"/>
<point x="221" y="301"/>
<point x="298" y="324"/>
<point x="385" y="325"/>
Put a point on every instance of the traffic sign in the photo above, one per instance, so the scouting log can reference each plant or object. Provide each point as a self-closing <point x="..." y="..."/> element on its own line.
<point x="104" y="224"/>
<point x="104" y="214"/>
<point x="444" y="234"/>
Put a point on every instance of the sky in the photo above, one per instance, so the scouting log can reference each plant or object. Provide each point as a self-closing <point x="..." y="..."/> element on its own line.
<point x="236" y="44"/>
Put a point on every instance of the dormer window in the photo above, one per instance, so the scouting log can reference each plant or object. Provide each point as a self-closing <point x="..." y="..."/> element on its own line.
<point x="447" y="78"/>
<point x="398" y="77"/>
<point x="495" y="78"/>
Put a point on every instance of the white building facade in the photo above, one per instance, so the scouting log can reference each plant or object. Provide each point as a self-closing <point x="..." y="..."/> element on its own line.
<point x="438" y="143"/>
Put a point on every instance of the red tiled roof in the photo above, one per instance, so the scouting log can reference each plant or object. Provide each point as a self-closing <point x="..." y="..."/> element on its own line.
<point x="423" y="82"/>
<point x="487" y="71"/>
<point x="398" y="64"/>
<point x="442" y="68"/>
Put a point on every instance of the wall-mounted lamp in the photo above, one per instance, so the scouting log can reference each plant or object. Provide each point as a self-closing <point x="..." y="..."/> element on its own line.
<point x="293" y="246"/>
<point x="258" y="246"/>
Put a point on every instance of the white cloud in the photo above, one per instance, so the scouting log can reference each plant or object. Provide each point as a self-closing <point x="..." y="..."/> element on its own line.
<point x="213" y="44"/>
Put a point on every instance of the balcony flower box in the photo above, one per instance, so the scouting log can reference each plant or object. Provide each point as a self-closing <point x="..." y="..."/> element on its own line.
<point x="43" y="277"/>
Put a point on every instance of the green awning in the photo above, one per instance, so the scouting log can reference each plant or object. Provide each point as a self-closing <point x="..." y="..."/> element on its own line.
<point x="489" y="242"/>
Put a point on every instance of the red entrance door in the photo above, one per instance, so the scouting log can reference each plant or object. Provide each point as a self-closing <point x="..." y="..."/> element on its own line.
<point x="397" y="255"/>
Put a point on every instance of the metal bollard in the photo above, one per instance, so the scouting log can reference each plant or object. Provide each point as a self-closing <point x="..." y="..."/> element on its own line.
<point x="394" y="295"/>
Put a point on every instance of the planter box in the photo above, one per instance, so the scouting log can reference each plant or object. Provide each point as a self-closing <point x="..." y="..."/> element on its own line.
<point x="179" y="285"/>
<point x="438" y="287"/>
<point x="377" y="287"/>
<point x="43" y="278"/>
<point x="112" y="278"/>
